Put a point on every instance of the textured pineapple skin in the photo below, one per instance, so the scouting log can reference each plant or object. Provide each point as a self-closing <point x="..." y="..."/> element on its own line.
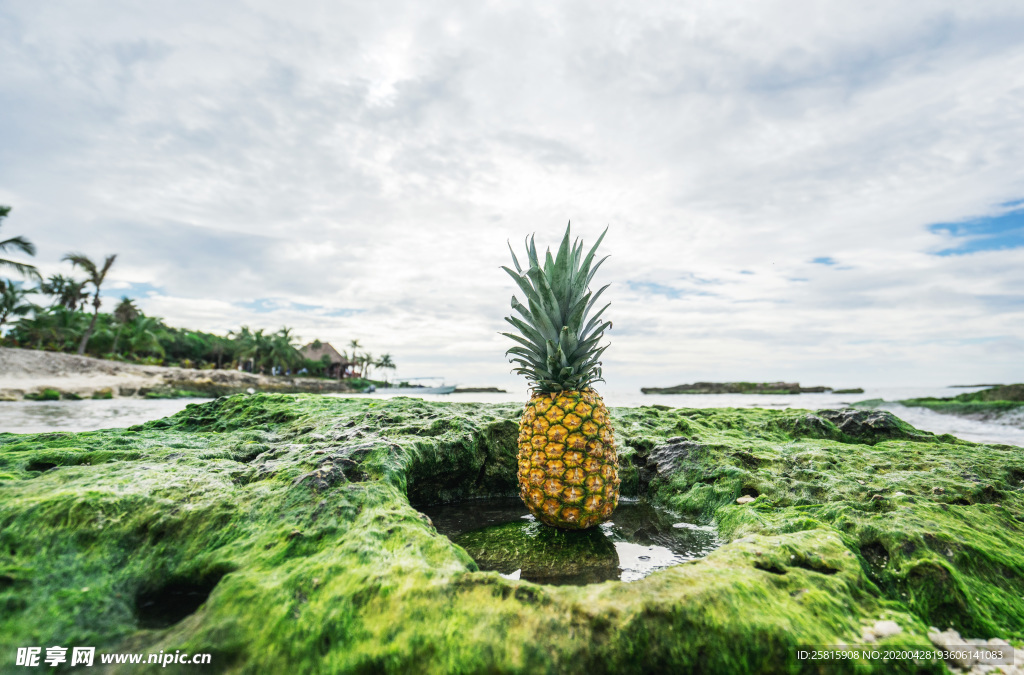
<point x="568" y="470"/>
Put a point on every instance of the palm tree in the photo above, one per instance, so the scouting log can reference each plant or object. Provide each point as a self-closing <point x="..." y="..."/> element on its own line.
<point x="143" y="337"/>
<point x="354" y="357"/>
<point x="218" y="348"/>
<point x="56" y="328"/>
<point x="96" y="276"/>
<point x="354" y="344"/>
<point x="385" y="362"/>
<point x="67" y="292"/>
<point x="254" y="346"/>
<point x="124" y="313"/>
<point x="366" y="364"/>
<point x="20" y="243"/>
<point x="243" y="339"/>
<point x="282" y="351"/>
<point x="11" y="301"/>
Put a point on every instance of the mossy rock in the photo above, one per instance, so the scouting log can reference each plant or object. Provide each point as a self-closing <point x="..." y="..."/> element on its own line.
<point x="44" y="395"/>
<point x="168" y="393"/>
<point x="280" y="533"/>
<point x="1002" y="392"/>
<point x="991" y="402"/>
<point x="103" y="394"/>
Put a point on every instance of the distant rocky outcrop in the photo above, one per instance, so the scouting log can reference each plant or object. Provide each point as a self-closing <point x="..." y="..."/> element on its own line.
<point x="1004" y="402"/>
<point x="739" y="388"/>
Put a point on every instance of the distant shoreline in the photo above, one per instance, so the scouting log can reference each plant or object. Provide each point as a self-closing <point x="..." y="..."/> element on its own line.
<point x="29" y="374"/>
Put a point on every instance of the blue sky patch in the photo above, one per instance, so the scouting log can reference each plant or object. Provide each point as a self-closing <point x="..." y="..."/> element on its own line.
<point x="651" y="288"/>
<point x="990" y="233"/>
<point x="824" y="260"/>
<point x="268" y="305"/>
<point x="131" y="290"/>
<point x="260" y="305"/>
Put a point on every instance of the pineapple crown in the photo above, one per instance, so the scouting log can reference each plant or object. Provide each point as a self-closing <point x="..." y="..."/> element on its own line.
<point x="558" y="347"/>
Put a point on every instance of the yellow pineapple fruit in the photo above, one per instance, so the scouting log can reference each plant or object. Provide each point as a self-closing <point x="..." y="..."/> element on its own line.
<point x="568" y="470"/>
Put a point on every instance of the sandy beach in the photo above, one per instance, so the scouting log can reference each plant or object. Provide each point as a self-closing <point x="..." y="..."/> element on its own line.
<point x="30" y="372"/>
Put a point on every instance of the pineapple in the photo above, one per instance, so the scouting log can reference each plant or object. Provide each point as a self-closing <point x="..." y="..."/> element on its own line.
<point x="568" y="471"/>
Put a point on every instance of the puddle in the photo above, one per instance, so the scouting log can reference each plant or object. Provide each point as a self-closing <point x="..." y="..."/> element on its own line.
<point x="501" y="535"/>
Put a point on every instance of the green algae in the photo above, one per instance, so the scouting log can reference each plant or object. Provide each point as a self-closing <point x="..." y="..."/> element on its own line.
<point x="292" y="520"/>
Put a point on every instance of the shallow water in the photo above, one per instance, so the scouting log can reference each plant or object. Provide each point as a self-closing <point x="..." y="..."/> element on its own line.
<point x="1009" y="431"/>
<point x="634" y="397"/>
<point x="640" y="539"/>
<point x="27" y="417"/>
<point x="24" y="417"/>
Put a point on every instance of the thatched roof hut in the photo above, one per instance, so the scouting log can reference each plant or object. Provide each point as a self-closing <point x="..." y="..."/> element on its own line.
<point x="337" y="365"/>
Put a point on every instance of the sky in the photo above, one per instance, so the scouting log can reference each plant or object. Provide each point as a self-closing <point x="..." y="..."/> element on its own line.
<point x="823" y="192"/>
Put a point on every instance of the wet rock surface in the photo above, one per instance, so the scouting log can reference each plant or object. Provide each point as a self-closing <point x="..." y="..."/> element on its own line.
<point x="871" y="426"/>
<point x="663" y="460"/>
<point x="284" y="531"/>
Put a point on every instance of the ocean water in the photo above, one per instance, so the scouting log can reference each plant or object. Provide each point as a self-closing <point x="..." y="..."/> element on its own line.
<point x="41" y="416"/>
<point x="29" y="417"/>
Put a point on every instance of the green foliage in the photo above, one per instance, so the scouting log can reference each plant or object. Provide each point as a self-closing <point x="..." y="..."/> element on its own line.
<point x="65" y="291"/>
<point x="315" y="367"/>
<point x="557" y="344"/>
<point x="128" y="334"/>
<point x="16" y="244"/>
<point x="12" y="301"/>
<point x="55" y="329"/>
<point x="359" y="383"/>
<point x="268" y="352"/>
<point x="96" y="275"/>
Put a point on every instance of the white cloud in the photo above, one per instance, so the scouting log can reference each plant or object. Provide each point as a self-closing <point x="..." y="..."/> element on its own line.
<point x="375" y="158"/>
